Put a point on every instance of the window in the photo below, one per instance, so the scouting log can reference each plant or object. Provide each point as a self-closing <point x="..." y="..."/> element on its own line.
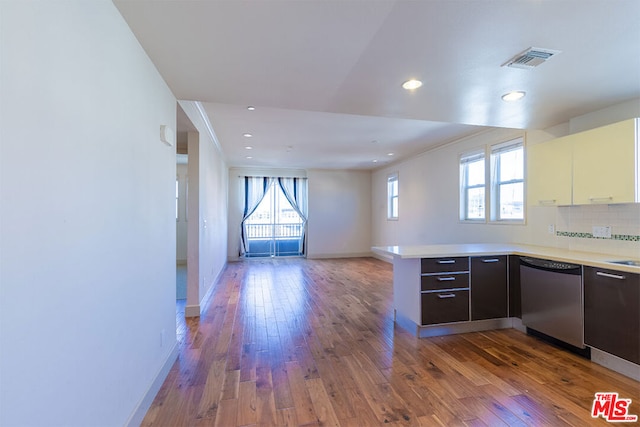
<point x="472" y="183"/>
<point x="392" y="196"/>
<point x="507" y="181"/>
<point x="502" y="188"/>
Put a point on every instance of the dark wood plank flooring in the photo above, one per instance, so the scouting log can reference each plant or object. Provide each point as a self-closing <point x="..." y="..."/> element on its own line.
<point x="288" y="342"/>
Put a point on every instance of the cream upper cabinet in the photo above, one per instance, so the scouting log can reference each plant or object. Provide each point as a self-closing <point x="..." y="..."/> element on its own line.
<point x="590" y="167"/>
<point x="549" y="172"/>
<point x="605" y="164"/>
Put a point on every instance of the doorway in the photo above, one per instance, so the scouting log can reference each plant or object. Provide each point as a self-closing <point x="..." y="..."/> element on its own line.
<point x="275" y="228"/>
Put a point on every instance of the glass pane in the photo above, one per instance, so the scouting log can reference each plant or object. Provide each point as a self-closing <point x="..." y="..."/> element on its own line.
<point x="394" y="208"/>
<point x="393" y="188"/>
<point x="511" y="201"/>
<point x="475" y="172"/>
<point x="511" y="165"/>
<point x="475" y="203"/>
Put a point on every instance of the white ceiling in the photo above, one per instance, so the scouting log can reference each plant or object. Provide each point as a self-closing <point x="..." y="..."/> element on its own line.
<point x="325" y="75"/>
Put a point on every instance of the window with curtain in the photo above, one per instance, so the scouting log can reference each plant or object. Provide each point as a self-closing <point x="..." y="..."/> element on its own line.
<point x="274" y="216"/>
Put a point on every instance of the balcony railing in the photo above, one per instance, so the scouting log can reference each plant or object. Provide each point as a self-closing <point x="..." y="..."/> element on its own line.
<point x="273" y="231"/>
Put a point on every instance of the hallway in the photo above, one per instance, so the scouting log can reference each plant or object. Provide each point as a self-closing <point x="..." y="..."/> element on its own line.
<point x="312" y="342"/>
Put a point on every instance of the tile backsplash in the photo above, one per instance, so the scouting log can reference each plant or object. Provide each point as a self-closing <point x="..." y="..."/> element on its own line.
<point x="574" y="228"/>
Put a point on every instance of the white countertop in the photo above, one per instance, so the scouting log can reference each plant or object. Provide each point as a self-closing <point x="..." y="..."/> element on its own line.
<point x="484" y="249"/>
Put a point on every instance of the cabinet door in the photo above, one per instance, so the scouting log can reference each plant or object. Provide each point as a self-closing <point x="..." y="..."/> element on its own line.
<point x="549" y="172"/>
<point x="604" y="164"/>
<point x="515" y="300"/>
<point x="612" y="312"/>
<point x="445" y="307"/>
<point x="488" y="287"/>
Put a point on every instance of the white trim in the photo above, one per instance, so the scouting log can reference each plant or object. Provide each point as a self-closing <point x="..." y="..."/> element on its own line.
<point x="207" y="124"/>
<point x="615" y="363"/>
<point x="145" y="403"/>
<point x="343" y="255"/>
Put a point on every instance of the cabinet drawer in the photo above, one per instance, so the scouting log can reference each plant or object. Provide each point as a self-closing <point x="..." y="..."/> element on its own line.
<point x="444" y="281"/>
<point x="440" y="265"/>
<point x="445" y="307"/>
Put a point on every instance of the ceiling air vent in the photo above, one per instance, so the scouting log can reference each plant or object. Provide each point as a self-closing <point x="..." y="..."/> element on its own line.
<point x="531" y="58"/>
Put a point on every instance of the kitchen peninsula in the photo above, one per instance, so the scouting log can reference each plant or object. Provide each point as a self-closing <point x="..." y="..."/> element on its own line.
<point x="457" y="288"/>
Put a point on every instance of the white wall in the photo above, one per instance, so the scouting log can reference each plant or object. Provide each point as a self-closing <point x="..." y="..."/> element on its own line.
<point x="339" y="223"/>
<point x="339" y="213"/>
<point x="208" y="207"/>
<point x="429" y="200"/>
<point x="87" y="226"/>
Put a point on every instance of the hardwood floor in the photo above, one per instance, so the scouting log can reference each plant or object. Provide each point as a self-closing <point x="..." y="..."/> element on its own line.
<point x="287" y="342"/>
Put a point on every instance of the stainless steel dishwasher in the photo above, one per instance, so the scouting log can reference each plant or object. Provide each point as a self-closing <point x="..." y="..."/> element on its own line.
<point x="552" y="299"/>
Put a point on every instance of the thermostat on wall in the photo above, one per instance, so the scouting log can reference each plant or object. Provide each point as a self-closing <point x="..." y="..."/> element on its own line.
<point x="166" y="135"/>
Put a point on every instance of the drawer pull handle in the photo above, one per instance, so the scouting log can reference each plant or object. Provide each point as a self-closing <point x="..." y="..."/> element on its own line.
<point x="446" y="279"/>
<point x="610" y="276"/>
<point x="547" y="202"/>
<point x="445" y="296"/>
<point x="490" y="260"/>
<point x="446" y="261"/>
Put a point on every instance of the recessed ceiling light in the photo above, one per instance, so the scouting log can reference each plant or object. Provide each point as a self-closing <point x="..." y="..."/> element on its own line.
<point x="389" y="154"/>
<point x="251" y="108"/>
<point x="411" y="84"/>
<point x="247" y="135"/>
<point x="248" y="147"/>
<point x="375" y="161"/>
<point x="513" y="96"/>
<point x="249" y="157"/>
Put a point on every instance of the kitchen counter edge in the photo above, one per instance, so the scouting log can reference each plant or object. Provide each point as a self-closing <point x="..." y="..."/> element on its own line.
<point x="591" y="259"/>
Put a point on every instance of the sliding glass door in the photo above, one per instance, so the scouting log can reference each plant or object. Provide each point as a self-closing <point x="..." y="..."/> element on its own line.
<point x="274" y="228"/>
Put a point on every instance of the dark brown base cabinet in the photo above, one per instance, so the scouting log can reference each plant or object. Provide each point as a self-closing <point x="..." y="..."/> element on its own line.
<point x="444" y="290"/>
<point x="612" y="312"/>
<point x="515" y="299"/>
<point x="489" y="290"/>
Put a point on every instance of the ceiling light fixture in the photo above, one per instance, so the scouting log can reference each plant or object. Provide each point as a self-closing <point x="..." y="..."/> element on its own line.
<point x="389" y="154"/>
<point x="249" y="157"/>
<point x="248" y="147"/>
<point x="375" y="161"/>
<point x="251" y="108"/>
<point x="513" y="96"/>
<point x="411" y="84"/>
<point x="247" y="135"/>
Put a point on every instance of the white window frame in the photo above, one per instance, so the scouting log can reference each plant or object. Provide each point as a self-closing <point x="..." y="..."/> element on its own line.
<point x="393" y="196"/>
<point x="496" y="181"/>
<point x="466" y="159"/>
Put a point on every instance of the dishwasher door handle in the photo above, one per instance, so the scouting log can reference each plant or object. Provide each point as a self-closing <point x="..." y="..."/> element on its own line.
<point x="610" y="276"/>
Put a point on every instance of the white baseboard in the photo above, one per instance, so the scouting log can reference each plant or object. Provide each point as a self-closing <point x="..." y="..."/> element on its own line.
<point x="385" y="258"/>
<point x="192" y="310"/>
<point x="145" y="403"/>
<point x="615" y="363"/>
<point x="347" y="255"/>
